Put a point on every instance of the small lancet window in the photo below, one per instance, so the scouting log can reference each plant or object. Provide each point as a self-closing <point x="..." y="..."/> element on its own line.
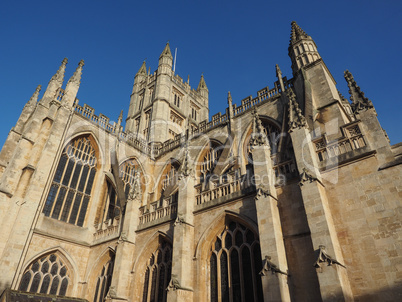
<point x="70" y="191"/>
<point x="48" y="275"/>
<point x="158" y="273"/>
<point x="104" y="281"/>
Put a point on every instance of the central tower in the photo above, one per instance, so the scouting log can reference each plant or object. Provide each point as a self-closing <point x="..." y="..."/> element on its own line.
<point x="162" y="105"/>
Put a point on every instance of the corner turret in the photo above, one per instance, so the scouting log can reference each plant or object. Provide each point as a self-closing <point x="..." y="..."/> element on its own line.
<point x="203" y="91"/>
<point x="302" y="49"/>
<point x="165" y="61"/>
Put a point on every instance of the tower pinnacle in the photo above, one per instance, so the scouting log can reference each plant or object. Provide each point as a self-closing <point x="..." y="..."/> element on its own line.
<point x="297" y="33"/>
<point x="143" y="69"/>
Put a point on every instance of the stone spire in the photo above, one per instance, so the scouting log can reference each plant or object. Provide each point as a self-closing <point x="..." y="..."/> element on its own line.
<point x="143" y="69"/>
<point x="359" y="101"/>
<point x="55" y="83"/>
<point x="166" y="52"/>
<point x="297" y="33"/>
<point x="202" y="84"/>
<point x="302" y="49"/>
<point x="259" y="134"/>
<point x="34" y="97"/>
<point x="73" y="85"/>
<point x="296" y="118"/>
<point x="58" y="78"/>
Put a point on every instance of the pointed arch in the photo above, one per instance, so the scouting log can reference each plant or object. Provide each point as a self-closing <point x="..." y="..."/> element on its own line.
<point x="229" y="250"/>
<point x="100" y="275"/>
<point x="52" y="271"/>
<point x="154" y="259"/>
<point x="167" y="181"/>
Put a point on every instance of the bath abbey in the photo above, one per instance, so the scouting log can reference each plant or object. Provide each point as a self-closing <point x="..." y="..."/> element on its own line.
<point x="293" y="194"/>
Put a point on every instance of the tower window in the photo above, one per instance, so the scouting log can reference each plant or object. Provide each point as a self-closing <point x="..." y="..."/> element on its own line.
<point x="71" y="188"/>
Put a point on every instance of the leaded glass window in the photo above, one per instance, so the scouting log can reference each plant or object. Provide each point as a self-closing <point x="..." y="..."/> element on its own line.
<point x="127" y="173"/>
<point x="69" y="194"/>
<point x="104" y="280"/>
<point x="48" y="275"/>
<point x="234" y="265"/>
<point x="157" y="274"/>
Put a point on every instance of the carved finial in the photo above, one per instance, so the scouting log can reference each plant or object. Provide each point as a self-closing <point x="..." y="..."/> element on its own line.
<point x="359" y="101"/>
<point x="259" y="134"/>
<point x="324" y="257"/>
<point x="297" y="33"/>
<point x="76" y="77"/>
<point x="188" y="79"/>
<point x="296" y="118"/>
<point x="229" y="98"/>
<point x="59" y="76"/>
<point x="34" y="97"/>
<point x="278" y="71"/>
<point x="120" y="116"/>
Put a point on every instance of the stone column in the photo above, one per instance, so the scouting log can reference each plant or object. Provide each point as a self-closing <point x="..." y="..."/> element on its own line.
<point x="181" y="284"/>
<point x="334" y="282"/>
<point x="120" y="287"/>
<point x="274" y="273"/>
<point x="275" y="286"/>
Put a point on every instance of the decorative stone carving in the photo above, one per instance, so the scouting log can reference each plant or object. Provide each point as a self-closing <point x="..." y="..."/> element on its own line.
<point x="324" y="257"/>
<point x="135" y="190"/>
<point x="259" y="134"/>
<point x="296" y="118"/>
<point x="179" y="220"/>
<point x="262" y="192"/>
<point x="270" y="266"/>
<point x="305" y="176"/>
<point x="112" y="292"/>
<point x="185" y="169"/>
<point x="174" y="284"/>
<point x="359" y="101"/>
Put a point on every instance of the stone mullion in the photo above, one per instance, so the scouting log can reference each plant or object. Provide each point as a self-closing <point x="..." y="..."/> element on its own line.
<point x="334" y="282"/>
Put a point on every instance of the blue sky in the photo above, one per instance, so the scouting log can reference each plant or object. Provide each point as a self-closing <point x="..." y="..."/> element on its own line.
<point x="236" y="44"/>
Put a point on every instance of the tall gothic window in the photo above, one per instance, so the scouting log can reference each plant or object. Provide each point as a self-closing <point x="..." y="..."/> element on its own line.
<point x="70" y="191"/>
<point x="48" y="275"/>
<point x="234" y="265"/>
<point x="104" y="281"/>
<point x="157" y="273"/>
<point x="112" y="209"/>
<point x="127" y="173"/>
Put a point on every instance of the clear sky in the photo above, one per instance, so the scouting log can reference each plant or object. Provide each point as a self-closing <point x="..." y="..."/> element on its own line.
<point x="236" y="44"/>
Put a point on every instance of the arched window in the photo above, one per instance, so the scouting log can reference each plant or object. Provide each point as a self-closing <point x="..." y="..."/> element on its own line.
<point x="157" y="273"/>
<point x="104" y="280"/>
<point x="127" y="173"/>
<point x="112" y="209"/>
<point x="47" y="275"/>
<point x="235" y="262"/>
<point x="71" y="188"/>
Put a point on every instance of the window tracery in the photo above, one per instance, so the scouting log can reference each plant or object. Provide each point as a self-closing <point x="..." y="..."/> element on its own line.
<point x="234" y="265"/>
<point x="104" y="280"/>
<point x="158" y="273"/>
<point x="47" y="275"/>
<point x="70" y="191"/>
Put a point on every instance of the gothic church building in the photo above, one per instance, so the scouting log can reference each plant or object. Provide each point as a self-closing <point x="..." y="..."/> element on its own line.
<point x="291" y="195"/>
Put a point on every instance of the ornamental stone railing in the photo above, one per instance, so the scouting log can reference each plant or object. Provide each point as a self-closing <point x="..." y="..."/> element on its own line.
<point x="158" y="214"/>
<point x="159" y="149"/>
<point x="353" y="139"/>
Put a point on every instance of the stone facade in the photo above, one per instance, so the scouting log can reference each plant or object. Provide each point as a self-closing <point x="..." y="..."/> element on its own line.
<point x="293" y="195"/>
